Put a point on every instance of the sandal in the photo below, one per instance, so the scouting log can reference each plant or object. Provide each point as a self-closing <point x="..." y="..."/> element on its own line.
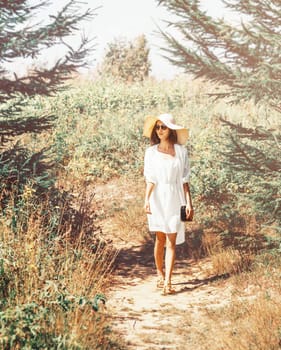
<point x="160" y="283"/>
<point x="168" y="289"/>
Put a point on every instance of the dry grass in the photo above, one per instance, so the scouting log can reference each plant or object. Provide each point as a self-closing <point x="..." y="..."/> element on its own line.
<point x="251" y="320"/>
<point x="131" y="221"/>
<point x="64" y="276"/>
<point x="231" y="261"/>
<point x="124" y="220"/>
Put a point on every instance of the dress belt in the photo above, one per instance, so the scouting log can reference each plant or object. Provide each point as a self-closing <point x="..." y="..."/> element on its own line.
<point x="167" y="183"/>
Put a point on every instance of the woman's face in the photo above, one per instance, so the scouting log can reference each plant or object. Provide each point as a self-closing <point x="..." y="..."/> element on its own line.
<point x="162" y="130"/>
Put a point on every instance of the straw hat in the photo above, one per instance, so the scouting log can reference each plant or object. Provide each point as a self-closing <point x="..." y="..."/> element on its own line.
<point x="167" y="119"/>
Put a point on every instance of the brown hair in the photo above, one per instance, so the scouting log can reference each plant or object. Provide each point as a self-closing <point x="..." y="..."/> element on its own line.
<point x="154" y="139"/>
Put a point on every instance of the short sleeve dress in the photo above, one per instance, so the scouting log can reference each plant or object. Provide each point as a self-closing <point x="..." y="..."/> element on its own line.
<point x="168" y="173"/>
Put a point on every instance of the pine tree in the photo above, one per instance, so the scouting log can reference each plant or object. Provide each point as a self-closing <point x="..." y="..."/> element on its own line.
<point x="246" y="61"/>
<point x="21" y="40"/>
<point x="246" y="58"/>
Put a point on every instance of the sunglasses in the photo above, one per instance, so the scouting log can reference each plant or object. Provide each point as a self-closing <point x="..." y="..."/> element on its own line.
<point x="163" y="127"/>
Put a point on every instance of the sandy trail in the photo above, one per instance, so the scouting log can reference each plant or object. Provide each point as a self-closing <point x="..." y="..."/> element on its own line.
<point x="144" y="318"/>
<point x="147" y="320"/>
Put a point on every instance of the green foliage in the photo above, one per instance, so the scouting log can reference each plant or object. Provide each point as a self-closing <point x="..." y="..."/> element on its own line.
<point x="128" y="61"/>
<point x="251" y="153"/>
<point x="4" y="282"/>
<point x="19" y="38"/>
<point x="211" y="179"/>
<point x="99" y="127"/>
<point x="31" y="326"/>
<point x="22" y="327"/>
<point x="19" y="167"/>
<point x="243" y="57"/>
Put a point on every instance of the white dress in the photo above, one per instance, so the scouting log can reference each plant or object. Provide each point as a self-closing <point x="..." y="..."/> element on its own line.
<point x="168" y="174"/>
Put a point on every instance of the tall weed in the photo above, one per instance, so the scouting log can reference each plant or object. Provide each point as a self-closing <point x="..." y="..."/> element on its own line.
<point x="52" y="285"/>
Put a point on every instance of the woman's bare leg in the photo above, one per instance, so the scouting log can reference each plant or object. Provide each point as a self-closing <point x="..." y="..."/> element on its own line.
<point x="170" y="256"/>
<point x="160" y="241"/>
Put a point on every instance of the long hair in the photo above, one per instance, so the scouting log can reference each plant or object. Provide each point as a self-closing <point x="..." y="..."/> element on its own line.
<point x="154" y="139"/>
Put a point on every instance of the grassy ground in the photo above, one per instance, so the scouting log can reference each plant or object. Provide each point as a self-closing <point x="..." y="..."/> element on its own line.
<point x="60" y="233"/>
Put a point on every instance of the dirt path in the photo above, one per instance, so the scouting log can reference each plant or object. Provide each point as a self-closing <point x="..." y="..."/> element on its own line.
<point x="144" y="318"/>
<point x="147" y="320"/>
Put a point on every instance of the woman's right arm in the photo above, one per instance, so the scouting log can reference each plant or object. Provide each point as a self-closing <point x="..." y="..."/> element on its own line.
<point x="148" y="191"/>
<point x="149" y="175"/>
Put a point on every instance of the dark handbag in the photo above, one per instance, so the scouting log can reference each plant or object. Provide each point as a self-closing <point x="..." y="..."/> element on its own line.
<point x="183" y="214"/>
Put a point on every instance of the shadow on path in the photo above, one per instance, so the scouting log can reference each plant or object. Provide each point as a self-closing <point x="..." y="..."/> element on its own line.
<point x="197" y="283"/>
<point x="138" y="261"/>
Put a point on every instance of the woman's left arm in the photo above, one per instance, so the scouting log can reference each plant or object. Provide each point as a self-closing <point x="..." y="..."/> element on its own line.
<point x="189" y="206"/>
<point x="185" y="180"/>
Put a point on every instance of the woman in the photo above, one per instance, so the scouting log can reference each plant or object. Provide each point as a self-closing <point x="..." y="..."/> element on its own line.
<point x="166" y="170"/>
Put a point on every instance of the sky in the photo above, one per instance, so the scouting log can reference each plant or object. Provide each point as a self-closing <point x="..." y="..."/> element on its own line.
<point x="131" y="18"/>
<point x="126" y="19"/>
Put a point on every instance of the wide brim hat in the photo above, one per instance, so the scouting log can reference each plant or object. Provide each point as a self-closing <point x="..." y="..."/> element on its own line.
<point x="167" y="119"/>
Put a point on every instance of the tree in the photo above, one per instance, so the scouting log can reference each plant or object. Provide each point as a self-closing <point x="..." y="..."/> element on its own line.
<point x="20" y="39"/>
<point x="128" y="61"/>
<point x="246" y="61"/>
<point x="246" y="58"/>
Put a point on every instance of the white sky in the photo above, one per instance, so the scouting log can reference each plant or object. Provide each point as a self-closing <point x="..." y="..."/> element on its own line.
<point x="127" y="19"/>
<point x="131" y="18"/>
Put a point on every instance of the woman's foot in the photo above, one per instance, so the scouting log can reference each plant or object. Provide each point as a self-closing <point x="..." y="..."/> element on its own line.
<point x="168" y="289"/>
<point x="160" y="283"/>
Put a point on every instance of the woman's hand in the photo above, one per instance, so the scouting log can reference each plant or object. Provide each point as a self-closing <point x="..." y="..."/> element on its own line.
<point x="189" y="208"/>
<point x="147" y="207"/>
<point x="189" y="211"/>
